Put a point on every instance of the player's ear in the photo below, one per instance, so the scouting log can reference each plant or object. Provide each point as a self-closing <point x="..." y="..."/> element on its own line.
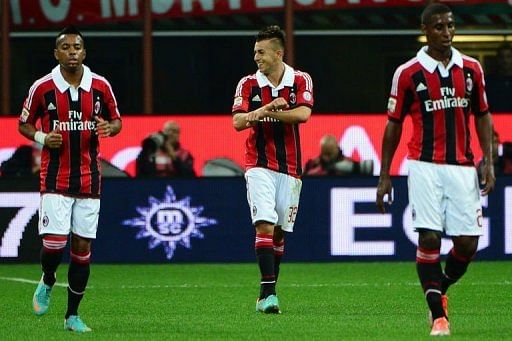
<point x="55" y="54"/>
<point x="424" y="29"/>
<point x="85" y="53"/>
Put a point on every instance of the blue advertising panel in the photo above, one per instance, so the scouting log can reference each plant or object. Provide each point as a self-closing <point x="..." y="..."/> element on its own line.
<point x="207" y="220"/>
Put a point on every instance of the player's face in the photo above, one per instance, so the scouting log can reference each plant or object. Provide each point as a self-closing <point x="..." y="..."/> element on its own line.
<point x="440" y="31"/>
<point x="266" y="56"/>
<point x="70" y="52"/>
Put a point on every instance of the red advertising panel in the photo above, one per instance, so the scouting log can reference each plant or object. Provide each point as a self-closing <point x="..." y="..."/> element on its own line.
<point x="212" y="136"/>
<point x="38" y="14"/>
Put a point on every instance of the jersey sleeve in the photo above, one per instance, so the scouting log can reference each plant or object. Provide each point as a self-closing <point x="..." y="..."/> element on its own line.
<point x="110" y="102"/>
<point x="399" y="101"/>
<point x="241" y="98"/>
<point x="305" y="90"/>
<point x="479" y="105"/>
<point x="31" y="105"/>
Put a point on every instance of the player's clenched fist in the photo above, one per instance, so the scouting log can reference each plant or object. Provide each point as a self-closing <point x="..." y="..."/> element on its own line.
<point x="277" y="104"/>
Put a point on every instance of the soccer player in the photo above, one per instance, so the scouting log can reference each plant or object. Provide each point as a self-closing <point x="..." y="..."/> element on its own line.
<point x="75" y="107"/>
<point x="439" y="88"/>
<point x="272" y="103"/>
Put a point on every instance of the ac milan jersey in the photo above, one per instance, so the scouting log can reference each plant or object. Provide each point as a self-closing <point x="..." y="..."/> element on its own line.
<point x="439" y="100"/>
<point x="273" y="144"/>
<point x="73" y="168"/>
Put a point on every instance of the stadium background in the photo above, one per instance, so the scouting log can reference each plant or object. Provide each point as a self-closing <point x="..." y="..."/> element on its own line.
<point x="200" y="49"/>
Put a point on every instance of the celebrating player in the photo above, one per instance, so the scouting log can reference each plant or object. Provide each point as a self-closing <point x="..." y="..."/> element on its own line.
<point x="272" y="103"/>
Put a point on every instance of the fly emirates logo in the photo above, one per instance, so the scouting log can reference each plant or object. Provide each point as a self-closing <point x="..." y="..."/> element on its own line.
<point x="74" y="123"/>
<point x="448" y="101"/>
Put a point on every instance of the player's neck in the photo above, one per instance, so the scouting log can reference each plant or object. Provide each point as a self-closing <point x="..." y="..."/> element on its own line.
<point x="72" y="77"/>
<point x="444" y="56"/>
<point x="276" y="76"/>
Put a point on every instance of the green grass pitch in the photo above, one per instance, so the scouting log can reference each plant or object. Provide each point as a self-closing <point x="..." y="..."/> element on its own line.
<point x="319" y="301"/>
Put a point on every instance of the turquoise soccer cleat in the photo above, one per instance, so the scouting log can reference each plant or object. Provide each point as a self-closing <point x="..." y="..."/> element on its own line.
<point x="41" y="299"/>
<point x="269" y="305"/>
<point x="74" y="323"/>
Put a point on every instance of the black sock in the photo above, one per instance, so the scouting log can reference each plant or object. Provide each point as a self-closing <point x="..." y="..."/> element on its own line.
<point x="78" y="276"/>
<point x="429" y="271"/>
<point x="455" y="268"/>
<point x="51" y="256"/>
<point x="278" y="254"/>
<point x="266" y="261"/>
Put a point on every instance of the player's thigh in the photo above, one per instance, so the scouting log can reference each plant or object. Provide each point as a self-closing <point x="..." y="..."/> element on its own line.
<point x="85" y="215"/>
<point x="464" y="209"/>
<point x="261" y="194"/>
<point x="426" y="195"/>
<point x="55" y="214"/>
<point x="287" y="203"/>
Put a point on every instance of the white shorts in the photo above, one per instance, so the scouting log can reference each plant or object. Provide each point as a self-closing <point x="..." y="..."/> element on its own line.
<point x="445" y="198"/>
<point x="60" y="214"/>
<point x="273" y="197"/>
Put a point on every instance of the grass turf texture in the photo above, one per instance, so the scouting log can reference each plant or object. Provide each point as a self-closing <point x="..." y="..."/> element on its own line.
<point x="324" y="301"/>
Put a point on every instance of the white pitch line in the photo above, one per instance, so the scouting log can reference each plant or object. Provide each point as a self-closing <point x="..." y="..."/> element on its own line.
<point x="29" y="281"/>
<point x="290" y="285"/>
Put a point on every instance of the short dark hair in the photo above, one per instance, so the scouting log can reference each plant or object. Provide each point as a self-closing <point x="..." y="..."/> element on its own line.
<point x="68" y="30"/>
<point x="272" y="32"/>
<point x="433" y="9"/>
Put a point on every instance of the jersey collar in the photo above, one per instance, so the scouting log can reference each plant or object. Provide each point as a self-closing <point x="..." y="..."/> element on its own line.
<point x="431" y="64"/>
<point x="288" y="78"/>
<point x="62" y="85"/>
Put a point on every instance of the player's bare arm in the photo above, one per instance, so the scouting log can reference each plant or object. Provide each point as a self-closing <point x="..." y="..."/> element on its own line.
<point x="299" y="114"/>
<point x="243" y="120"/>
<point x="483" y="125"/>
<point x="392" y="135"/>
<point x="52" y="140"/>
<point x="107" y="128"/>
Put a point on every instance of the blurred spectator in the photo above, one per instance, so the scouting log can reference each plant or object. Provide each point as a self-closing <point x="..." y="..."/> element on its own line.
<point x="163" y="156"/>
<point x="331" y="160"/>
<point x="502" y="163"/>
<point x="499" y="82"/>
<point x="24" y="162"/>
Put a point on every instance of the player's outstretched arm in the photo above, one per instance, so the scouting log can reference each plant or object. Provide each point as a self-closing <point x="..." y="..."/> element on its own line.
<point x="390" y="141"/>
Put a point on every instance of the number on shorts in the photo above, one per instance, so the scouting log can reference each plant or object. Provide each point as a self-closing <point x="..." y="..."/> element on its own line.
<point x="293" y="213"/>
<point x="479" y="217"/>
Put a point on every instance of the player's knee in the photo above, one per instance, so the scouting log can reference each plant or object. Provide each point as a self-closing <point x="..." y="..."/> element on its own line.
<point x="80" y="244"/>
<point x="429" y="239"/>
<point x="53" y="243"/>
<point x="465" y="246"/>
<point x="264" y="227"/>
<point x="278" y="235"/>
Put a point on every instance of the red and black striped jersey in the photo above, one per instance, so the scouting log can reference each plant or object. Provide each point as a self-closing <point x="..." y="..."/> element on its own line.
<point x="273" y="144"/>
<point x="440" y="100"/>
<point x="74" y="168"/>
